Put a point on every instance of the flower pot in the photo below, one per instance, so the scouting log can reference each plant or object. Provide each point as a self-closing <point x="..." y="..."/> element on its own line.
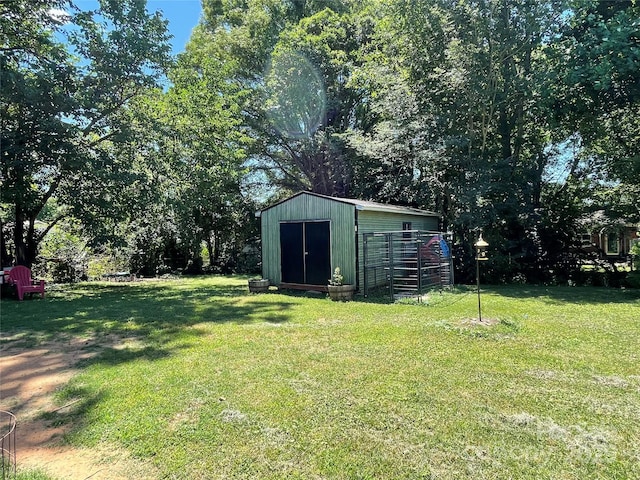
<point x="259" y="285"/>
<point x="341" y="293"/>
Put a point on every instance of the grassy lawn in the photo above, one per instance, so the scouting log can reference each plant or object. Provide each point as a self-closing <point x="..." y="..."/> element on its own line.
<point x="210" y="382"/>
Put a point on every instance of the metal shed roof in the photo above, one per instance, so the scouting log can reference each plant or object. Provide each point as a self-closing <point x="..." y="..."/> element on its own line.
<point x="363" y="205"/>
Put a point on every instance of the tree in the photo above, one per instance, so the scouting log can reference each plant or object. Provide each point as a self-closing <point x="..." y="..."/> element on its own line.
<point x="475" y="145"/>
<point x="296" y="59"/>
<point x="597" y="96"/>
<point x="311" y="102"/>
<point x="64" y="108"/>
<point x="207" y="152"/>
<point x="192" y="152"/>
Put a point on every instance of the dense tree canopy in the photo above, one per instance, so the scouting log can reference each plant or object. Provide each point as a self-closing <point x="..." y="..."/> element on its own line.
<point x="599" y="96"/>
<point x="67" y="80"/>
<point x="517" y="117"/>
<point x="201" y="149"/>
<point x="479" y="73"/>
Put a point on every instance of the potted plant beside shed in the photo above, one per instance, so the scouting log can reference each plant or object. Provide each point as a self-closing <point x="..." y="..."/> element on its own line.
<point x="338" y="291"/>
<point x="258" y="285"/>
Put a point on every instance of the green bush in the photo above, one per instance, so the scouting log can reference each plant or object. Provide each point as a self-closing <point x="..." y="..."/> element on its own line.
<point x="63" y="256"/>
<point x="108" y="262"/>
<point x="635" y="254"/>
<point x="632" y="280"/>
<point x="599" y="278"/>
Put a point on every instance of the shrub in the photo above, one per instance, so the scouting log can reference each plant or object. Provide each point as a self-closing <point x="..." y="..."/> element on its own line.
<point x="108" y="262"/>
<point x="635" y="254"/>
<point x="63" y="256"/>
<point x="632" y="280"/>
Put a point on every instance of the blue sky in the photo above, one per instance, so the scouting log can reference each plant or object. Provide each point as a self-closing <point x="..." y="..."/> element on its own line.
<point x="183" y="15"/>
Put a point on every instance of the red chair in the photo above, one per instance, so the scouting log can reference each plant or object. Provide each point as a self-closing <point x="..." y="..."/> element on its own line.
<point x="20" y="276"/>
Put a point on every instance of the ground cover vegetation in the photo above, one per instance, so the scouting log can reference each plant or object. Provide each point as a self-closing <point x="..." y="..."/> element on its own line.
<point x="518" y="117"/>
<point x="207" y="381"/>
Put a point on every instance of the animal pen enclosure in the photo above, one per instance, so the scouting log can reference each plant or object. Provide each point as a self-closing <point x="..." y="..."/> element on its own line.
<point x="407" y="262"/>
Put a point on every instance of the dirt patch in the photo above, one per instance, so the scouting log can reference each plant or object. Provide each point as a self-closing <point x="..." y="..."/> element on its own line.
<point x="485" y="322"/>
<point x="29" y="377"/>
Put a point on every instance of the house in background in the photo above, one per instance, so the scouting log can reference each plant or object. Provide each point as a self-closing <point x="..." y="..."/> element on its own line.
<point x="306" y="236"/>
<point x="611" y="239"/>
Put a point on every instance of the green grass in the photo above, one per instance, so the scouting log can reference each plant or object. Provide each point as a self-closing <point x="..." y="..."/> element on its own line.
<point x="210" y="382"/>
<point x="32" y="475"/>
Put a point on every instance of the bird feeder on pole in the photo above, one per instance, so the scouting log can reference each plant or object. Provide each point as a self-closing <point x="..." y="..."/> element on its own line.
<point x="481" y="255"/>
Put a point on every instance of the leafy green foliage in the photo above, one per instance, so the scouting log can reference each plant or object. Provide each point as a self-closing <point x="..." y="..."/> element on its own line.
<point x="337" y="278"/>
<point x="196" y="155"/>
<point x="63" y="255"/>
<point x="598" y="94"/>
<point x="515" y="117"/>
<point x="462" y="132"/>
<point x="64" y="109"/>
<point x="295" y="60"/>
<point x="633" y="280"/>
<point x="635" y="252"/>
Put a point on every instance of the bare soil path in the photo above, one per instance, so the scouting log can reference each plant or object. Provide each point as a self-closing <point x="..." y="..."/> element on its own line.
<point x="29" y="377"/>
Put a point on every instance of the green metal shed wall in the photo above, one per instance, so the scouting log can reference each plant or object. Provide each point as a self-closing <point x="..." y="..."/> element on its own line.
<point x="306" y="207"/>
<point x="372" y="221"/>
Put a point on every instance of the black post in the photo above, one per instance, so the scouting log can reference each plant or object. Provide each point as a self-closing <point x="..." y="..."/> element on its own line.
<point x="478" y="287"/>
<point x="365" y="247"/>
<point x="391" y="263"/>
<point x="419" y="264"/>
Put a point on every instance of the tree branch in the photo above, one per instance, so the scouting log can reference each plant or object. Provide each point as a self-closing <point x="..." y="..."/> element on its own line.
<point x="30" y="51"/>
<point x="52" y="189"/>
<point x="44" y="232"/>
<point x="102" y="139"/>
<point x="86" y="130"/>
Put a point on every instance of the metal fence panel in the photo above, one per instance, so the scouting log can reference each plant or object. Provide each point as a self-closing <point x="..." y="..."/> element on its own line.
<point x="407" y="263"/>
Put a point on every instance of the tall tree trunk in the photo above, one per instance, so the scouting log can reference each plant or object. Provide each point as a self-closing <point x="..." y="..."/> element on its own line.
<point x="210" y="247"/>
<point x="214" y="253"/>
<point x="25" y="242"/>
<point x="538" y="167"/>
<point x="18" y="238"/>
<point x="505" y="122"/>
<point x="505" y="133"/>
<point x="32" y="241"/>
<point x="5" y="259"/>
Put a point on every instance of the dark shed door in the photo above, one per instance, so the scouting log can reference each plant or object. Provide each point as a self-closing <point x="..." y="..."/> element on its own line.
<point x="292" y="252"/>
<point x="305" y="252"/>
<point x="317" y="253"/>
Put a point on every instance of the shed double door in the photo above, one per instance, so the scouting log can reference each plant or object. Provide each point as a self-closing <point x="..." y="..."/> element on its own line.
<point x="305" y="252"/>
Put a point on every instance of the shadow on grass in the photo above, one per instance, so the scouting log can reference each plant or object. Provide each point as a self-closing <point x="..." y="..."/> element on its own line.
<point x="76" y="403"/>
<point x="114" y="324"/>
<point x="155" y="312"/>
<point x="548" y="294"/>
<point x="115" y="356"/>
<point x="565" y="294"/>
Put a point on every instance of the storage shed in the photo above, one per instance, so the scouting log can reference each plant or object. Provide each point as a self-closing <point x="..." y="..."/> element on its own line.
<point x="306" y="236"/>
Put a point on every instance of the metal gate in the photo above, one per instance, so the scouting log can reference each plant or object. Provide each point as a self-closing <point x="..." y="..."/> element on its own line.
<point x="406" y="263"/>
